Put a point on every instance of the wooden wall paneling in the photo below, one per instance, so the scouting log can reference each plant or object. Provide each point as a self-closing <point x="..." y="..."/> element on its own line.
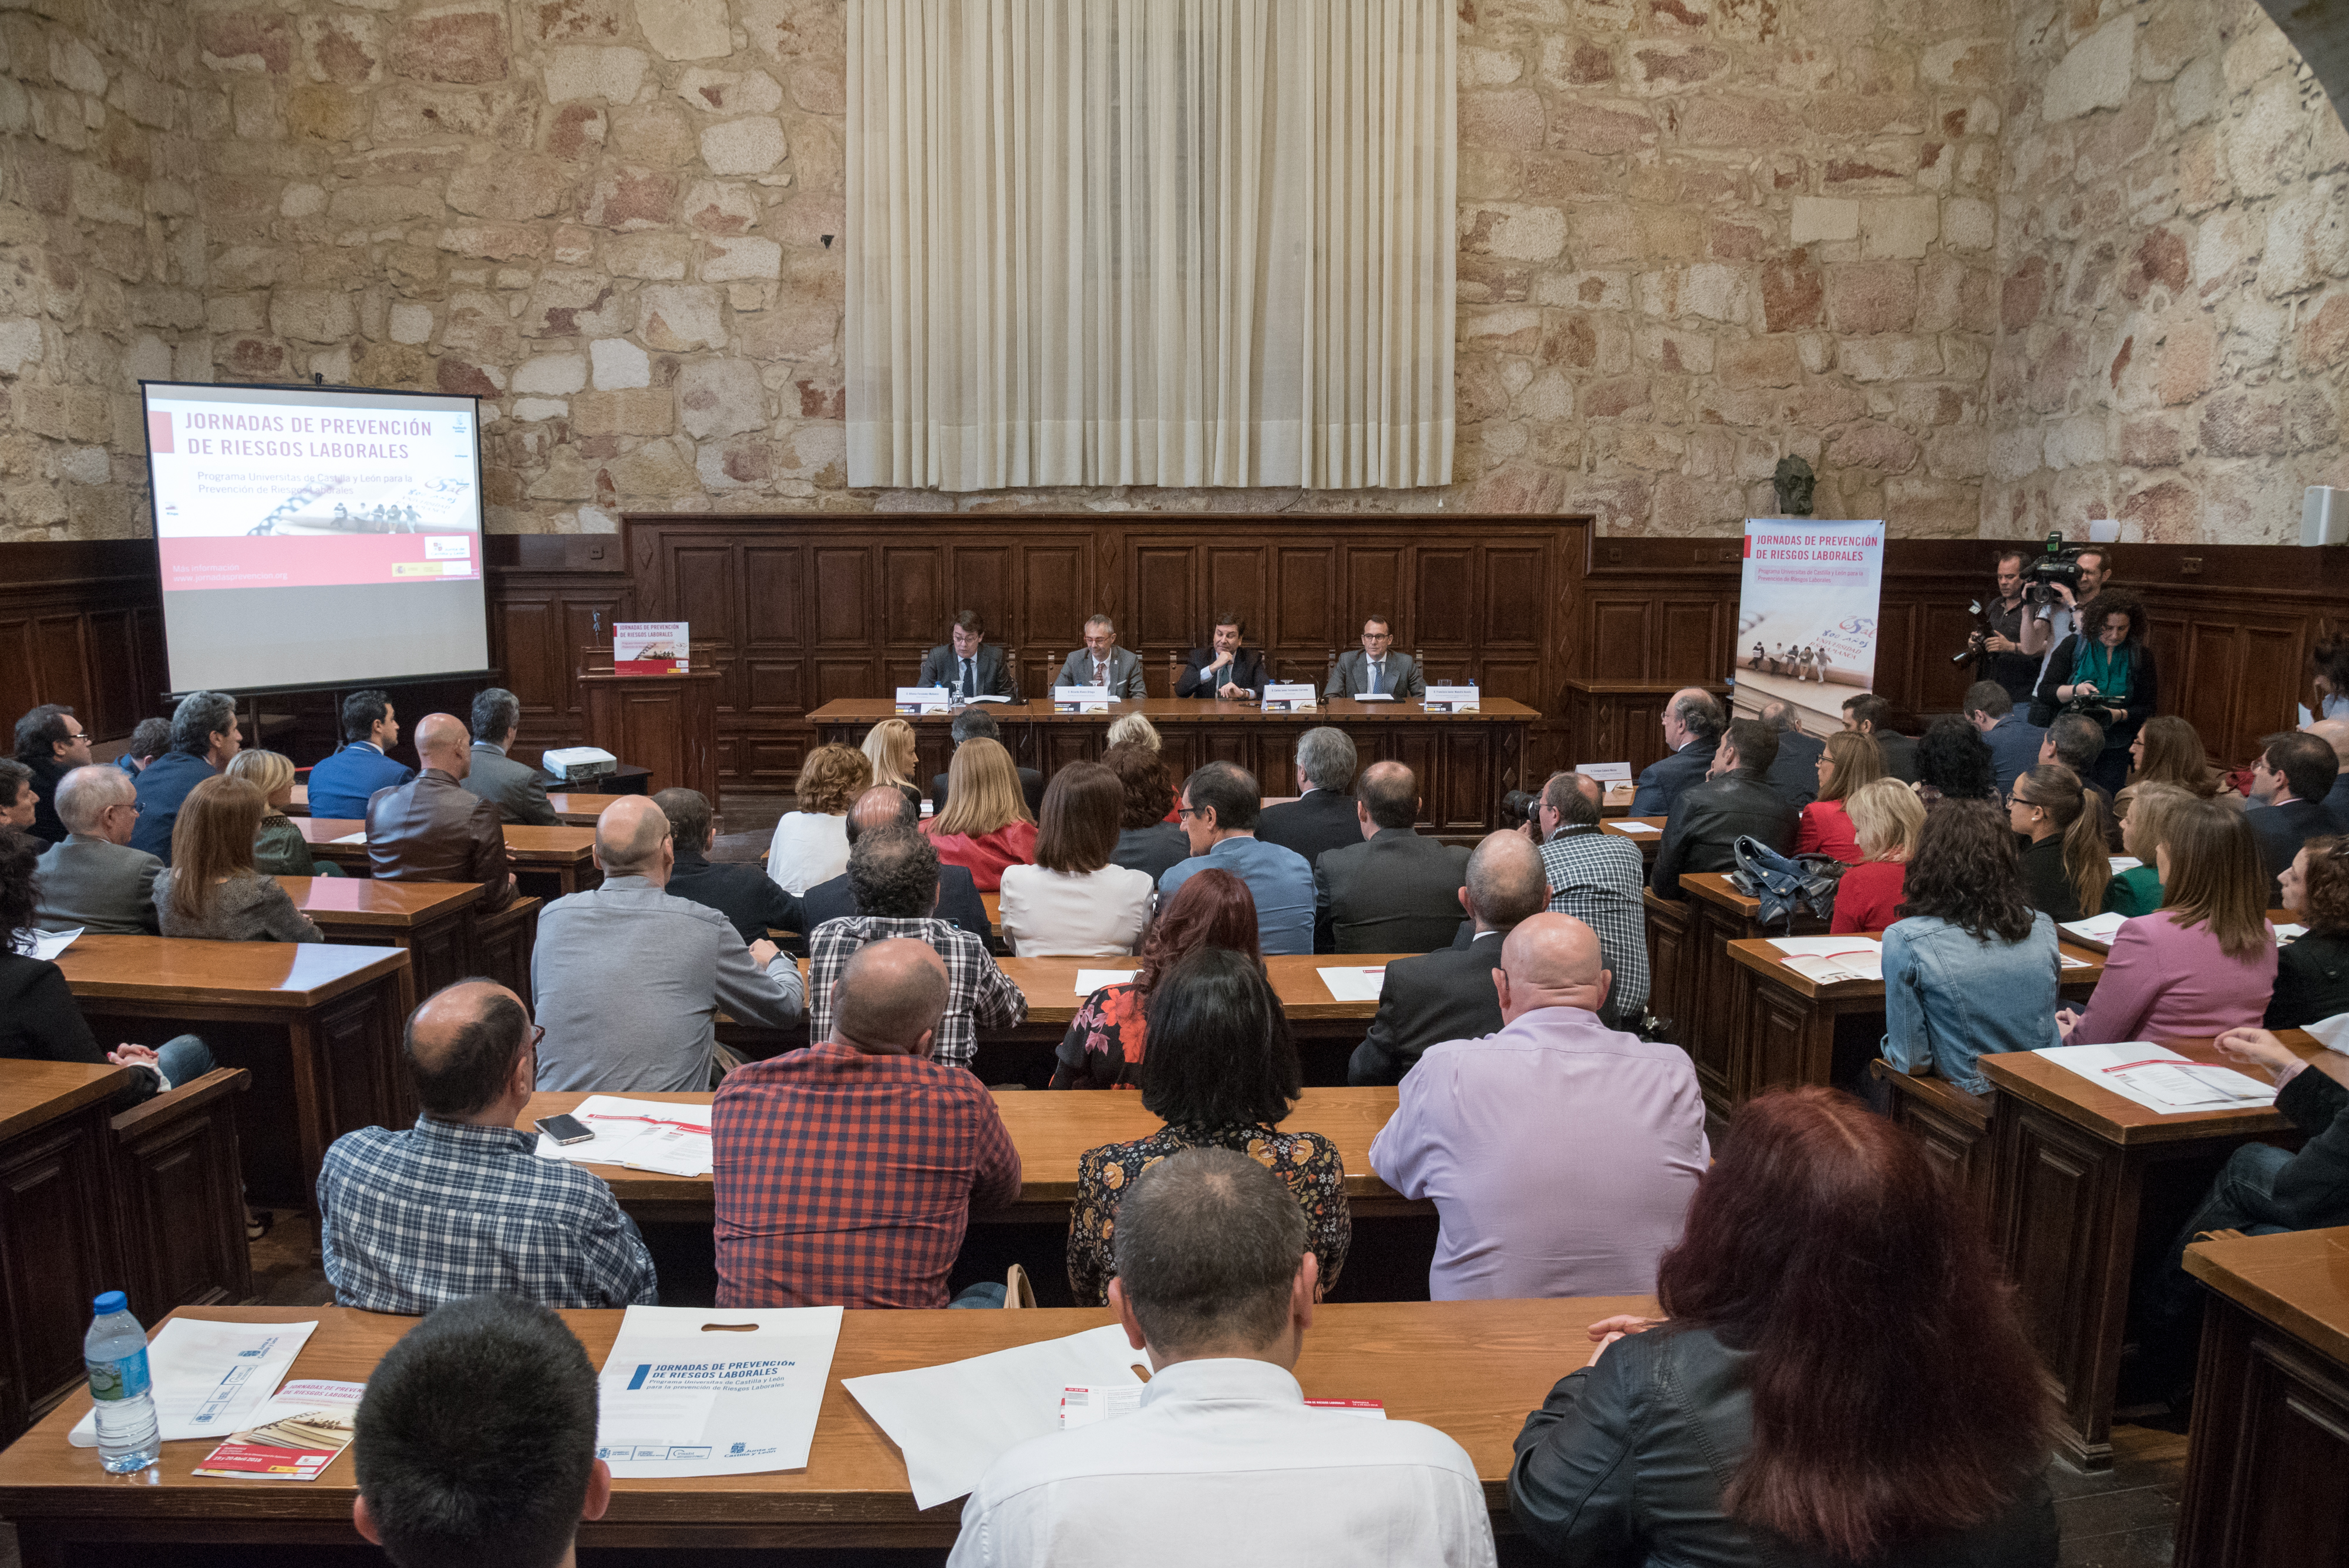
<point x="1165" y="599"/>
<point x="1056" y="593"/>
<point x="1619" y="637"/>
<point x="1467" y="778"/>
<point x="1694" y="641"/>
<point x="1446" y="608"/>
<point x="1303" y="622"/>
<point x="1238" y="580"/>
<point x="978" y="577"/>
<point x="80" y="625"/>
<point x="913" y="595"/>
<point x="1373" y="575"/>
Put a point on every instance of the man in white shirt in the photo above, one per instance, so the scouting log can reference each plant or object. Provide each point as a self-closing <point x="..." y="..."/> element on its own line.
<point x="1223" y="1462"/>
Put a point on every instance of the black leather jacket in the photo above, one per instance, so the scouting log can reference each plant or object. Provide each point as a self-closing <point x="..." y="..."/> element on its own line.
<point x="1625" y="1464"/>
<point x="1702" y="832"/>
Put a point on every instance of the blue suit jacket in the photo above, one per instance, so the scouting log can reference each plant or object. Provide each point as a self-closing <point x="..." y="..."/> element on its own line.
<point x="1660" y="782"/>
<point x="2013" y="747"/>
<point x="161" y="788"/>
<point x="340" y="786"/>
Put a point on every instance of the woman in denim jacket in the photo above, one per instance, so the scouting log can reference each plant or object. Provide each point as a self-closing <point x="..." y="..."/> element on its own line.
<point x="1970" y="969"/>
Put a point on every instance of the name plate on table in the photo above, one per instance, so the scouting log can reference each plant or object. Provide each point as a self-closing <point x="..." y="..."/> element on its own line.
<point x="923" y="700"/>
<point x="1286" y="697"/>
<point x="1450" y="699"/>
<point x="1080" y="698"/>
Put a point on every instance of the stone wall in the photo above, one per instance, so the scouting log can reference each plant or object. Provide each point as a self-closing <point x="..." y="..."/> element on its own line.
<point x="2174" y="299"/>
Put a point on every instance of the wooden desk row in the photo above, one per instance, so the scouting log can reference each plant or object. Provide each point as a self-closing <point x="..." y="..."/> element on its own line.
<point x="1472" y="1369"/>
<point x="572" y="809"/>
<point x="548" y="862"/>
<point x="440" y="924"/>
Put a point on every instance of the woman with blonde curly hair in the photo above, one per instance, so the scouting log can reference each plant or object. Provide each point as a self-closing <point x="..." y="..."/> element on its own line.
<point x="811" y="844"/>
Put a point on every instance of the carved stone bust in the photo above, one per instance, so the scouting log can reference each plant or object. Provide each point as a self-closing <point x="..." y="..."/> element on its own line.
<point x="1794" y="482"/>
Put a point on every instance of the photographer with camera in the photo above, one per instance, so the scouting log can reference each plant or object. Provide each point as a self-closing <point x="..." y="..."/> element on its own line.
<point x="1997" y="644"/>
<point x="2105" y="674"/>
<point x="2062" y="587"/>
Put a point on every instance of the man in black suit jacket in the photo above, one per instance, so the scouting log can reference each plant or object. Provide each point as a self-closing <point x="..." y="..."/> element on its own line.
<point x="743" y="893"/>
<point x="1795" y="775"/>
<point x="1395" y="892"/>
<point x="1224" y="668"/>
<point x="1736" y="800"/>
<point x="1872" y="715"/>
<point x="1692" y="722"/>
<point x="2289" y="784"/>
<point x="1449" y="994"/>
<point x="1322" y="816"/>
<point x="965" y="665"/>
<point x="885" y="805"/>
<point x="975" y="723"/>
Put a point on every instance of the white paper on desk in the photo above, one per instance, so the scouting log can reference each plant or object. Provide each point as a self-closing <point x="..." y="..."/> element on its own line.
<point x="2125" y="863"/>
<point x="1091" y="980"/>
<point x="1374" y="696"/>
<point x="2289" y="931"/>
<point x="1823" y="947"/>
<point x="1625" y="825"/>
<point x="953" y="1421"/>
<point x="2332" y="1032"/>
<point x="2160" y="1079"/>
<point x="358" y="838"/>
<point x="2098" y="930"/>
<point x="48" y="945"/>
<point x="990" y="699"/>
<point x="1354" y="984"/>
<point x="1834" y="969"/>
<point x="209" y="1377"/>
<point x="693" y="1391"/>
<point x="2071" y="962"/>
<point x="612" y="1117"/>
<point x="1606" y="772"/>
<point x="671" y="1151"/>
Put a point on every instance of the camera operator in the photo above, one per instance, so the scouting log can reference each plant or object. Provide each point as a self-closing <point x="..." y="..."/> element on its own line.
<point x="1998" y="644"/>
<point x="2105" y="672"/>
<point x="2059" y="609"/>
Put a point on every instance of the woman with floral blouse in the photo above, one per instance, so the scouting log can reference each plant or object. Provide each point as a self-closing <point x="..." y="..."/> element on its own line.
<point x="1222" y="1072"/>
<point x="1102" y="1049"/>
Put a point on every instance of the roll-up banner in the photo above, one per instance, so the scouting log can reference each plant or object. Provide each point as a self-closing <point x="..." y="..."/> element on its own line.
<point x="1807" y="617"/>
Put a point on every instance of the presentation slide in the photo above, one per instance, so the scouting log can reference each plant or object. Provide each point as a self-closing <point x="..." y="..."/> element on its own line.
<point x="315" y="537"/>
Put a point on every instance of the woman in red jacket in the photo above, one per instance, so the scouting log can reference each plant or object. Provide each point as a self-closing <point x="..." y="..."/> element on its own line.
<point x="1886" y="817"/>
<point x="1851" y="760"/>
<point x="986" y="825"/>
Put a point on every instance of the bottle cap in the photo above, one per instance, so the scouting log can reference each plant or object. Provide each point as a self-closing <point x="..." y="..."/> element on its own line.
<point x="112" y="1302"/>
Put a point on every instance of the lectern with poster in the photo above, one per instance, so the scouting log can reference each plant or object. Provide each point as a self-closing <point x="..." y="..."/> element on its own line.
<point x="667" y="723"/>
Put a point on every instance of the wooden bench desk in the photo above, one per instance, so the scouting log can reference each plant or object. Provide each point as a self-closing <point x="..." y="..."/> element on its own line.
<point x="58" y="1241"/>
<point x="1471" y="1369"/>
<point x="548" y="862"/>
<point x="433" y="921"/>
<point x="1645" y="843"/>
<point x="2083" y="1182"/>
<point x="316" y="1023"/>
<point x="1693" y="983"/>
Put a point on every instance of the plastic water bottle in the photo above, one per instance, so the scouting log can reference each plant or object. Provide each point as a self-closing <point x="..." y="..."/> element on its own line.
<point x="115" y="1350"/>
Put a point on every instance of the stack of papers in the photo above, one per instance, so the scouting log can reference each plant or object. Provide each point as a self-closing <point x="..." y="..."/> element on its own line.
<point x="642" y="1135"/>
<point x="694" y="1392"/>
<point x="2098" y="930"/>
<point x="46" y="945"/>
<point x="1633" y="827"/>
<point x="1091" y="980"/>
<point x="2287" y="931"/>
<point x="2160" y="1079"/>
<point x="294" y="1437"/>
<point x="1354" y="984"/>
<point x="1830" y="960"/>
<point x="209" y="1377"/>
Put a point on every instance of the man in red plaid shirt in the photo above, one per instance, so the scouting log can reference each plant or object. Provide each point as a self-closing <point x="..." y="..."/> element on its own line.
<point x="847" y="1173"/>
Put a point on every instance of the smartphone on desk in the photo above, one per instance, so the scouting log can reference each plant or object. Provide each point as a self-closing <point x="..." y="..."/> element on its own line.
<point x="566" y="1129"/>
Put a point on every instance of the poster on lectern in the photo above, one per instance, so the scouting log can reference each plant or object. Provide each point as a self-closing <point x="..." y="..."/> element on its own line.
<point x="1807" y="617"/>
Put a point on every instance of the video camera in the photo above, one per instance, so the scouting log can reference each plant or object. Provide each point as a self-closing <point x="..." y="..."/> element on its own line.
<point x="2059" y="564"/>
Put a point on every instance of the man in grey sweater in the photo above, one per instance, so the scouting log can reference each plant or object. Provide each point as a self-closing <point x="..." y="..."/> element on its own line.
<point x="628" y="979"/>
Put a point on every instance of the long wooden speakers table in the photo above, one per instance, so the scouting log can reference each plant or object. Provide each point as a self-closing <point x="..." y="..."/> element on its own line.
<point x="1465" y="762"/>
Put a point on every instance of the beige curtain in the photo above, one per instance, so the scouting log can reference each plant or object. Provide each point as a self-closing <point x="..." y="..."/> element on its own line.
<point x="1150" y="242"/>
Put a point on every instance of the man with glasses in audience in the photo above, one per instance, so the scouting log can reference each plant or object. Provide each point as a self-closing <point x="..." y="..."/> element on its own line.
<point x="94" y="880"/>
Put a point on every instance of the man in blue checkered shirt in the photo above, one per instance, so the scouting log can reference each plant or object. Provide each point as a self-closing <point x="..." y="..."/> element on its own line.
<point x="460" y="1204"/>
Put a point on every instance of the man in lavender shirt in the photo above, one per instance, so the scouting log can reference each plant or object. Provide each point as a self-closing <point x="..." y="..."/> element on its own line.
<point x="1561" y="1154"/>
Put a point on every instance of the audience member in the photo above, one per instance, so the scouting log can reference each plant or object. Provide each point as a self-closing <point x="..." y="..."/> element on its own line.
<point x="2137" y="890"/>
<point x="2206" y="960"/>
<point x="1146" y="841"/>
<point x="278" y="848"/>
<point x="51" y="743"/>
<point x="515" y="788"/>
<point x="1221" y="1071"/>
<point x="205" y="736"/>
<point x="2012" y="739"/>
<point x="39" y="1019"/>
<point x="1886" y="817"/>
<point x="979" y="724"/>
<point x="1954" y="763"/>
<point x="1970" y="968"/>
<point x="811" y="844"/>
<point x="1223" y="1462"/>
<point x="890" y="752"/>
<point x="19" y="805"/>
<point x="431" y="829"/>
<point x="1735" y="802"/>
<point x="1692" y="727"/>
<point x="959" y="904"/>
<point x="742" y="891"/>
<point x="1849" y="761"/>
<point x="1074" y="901"/>
<point x="2068" y="610"/>
<point x="1219" y="816"/>
<point x="2167" y="749"/>
<point x="1450" y="995"/>
<point x="477" y="1440"/>
<point x="94" y="880"/>
<point x="150" y="739"/>
<point x="1102" y="1048"/>
<point x="1794" y="773"/>
<point x="342" y="784"/>
<point x="2333" y="733"/>
<point x="2110" y="671"/>
<point x="2330" y="676"/>
<point x="2076" y="741"/>
<point x="986" y="825"/>
<point x="2312" y="969"/>
<point x="1132" y="730"/>
<point x="460" y="1204"/>
<point x="1805" y="1399"/>
<point x="628" y="978"/>
<point x="893" y="873"/>
<point x="210" y="890"/>
<point x="2064" y="864"/>
<point x="1395" y="891"/>
<point x="1598" y="878"/>
<point x="847" y="1173"/>
<point x="1519" y="808"/>
<point x="2294" y="775"/>
<point x="1322" y="817"/>
<point x="1493" y="1129"/>
<point x="1872" y="715"/>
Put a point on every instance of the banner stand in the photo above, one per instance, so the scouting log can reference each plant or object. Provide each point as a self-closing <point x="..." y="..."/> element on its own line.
<point x="1807" y="618"/>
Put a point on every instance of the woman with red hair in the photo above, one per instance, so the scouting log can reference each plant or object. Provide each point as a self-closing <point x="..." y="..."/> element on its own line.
<point x="1102" y="1049"/>
<point x="1840" y="1376"/>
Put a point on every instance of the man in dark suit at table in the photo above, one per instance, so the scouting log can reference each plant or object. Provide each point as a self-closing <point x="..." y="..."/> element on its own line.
<point x="1395" y="892"/>
<point x="965" y="665"/>
<point x="978" y="723"/>
<point x="1101" y="662"/>
<point x="1375" y="669"/>
<point x="205" y="736"/>
<point x="1225" y="668"/>
<point x="1795" y="775"/>
<point x="1449" y="994"/>
<point x="885" y="805"/>
<point x="430" y="830"/>
<point x="516" y="789"/>
<point x="739" y="890"/>
<point x="1322" y="816"/>
<point x="2289" y="784"/>
<point x="1737" y="800"/>
<point x="341" y="785"/>
<point x="1692" y="724"/>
